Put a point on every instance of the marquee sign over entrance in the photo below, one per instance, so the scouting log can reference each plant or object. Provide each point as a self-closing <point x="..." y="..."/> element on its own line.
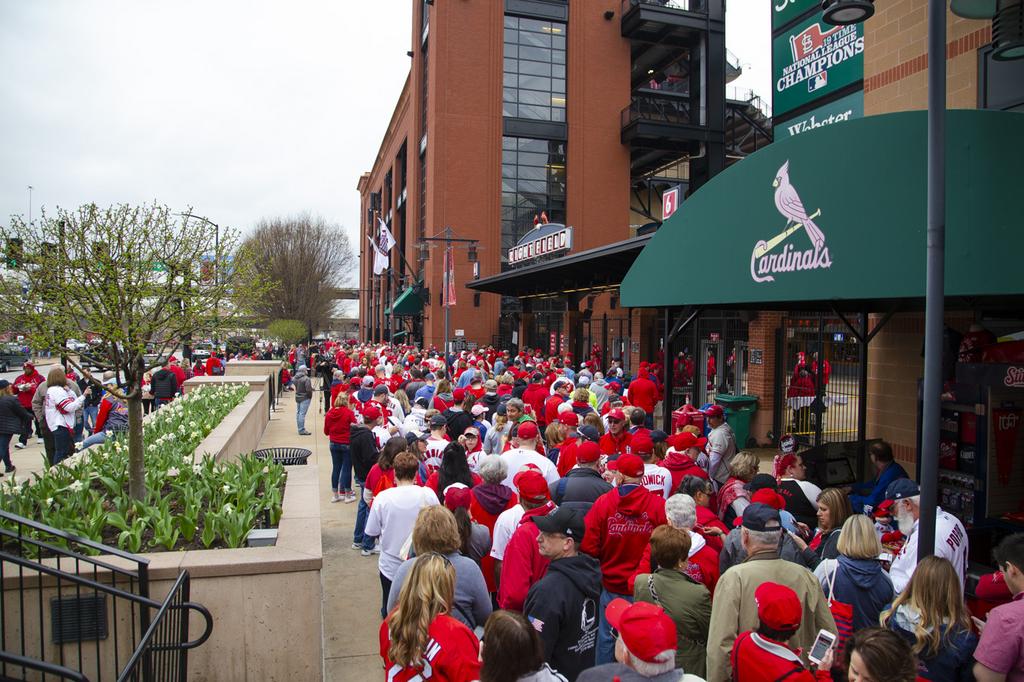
<point x="543" y="240"/>
<point x="840" y="213"/>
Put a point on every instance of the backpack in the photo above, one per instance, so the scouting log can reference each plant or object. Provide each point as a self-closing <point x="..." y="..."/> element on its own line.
<point x="217" y="370"/>
<point x="383" y="484"/>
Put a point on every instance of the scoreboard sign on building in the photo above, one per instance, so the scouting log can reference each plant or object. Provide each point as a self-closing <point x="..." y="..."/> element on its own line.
<point x="543" y="240"/>
<point x="817" y="69"/>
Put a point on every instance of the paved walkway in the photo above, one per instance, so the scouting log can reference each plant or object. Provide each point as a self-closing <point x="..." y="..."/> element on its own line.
<point x="351" y="585"/>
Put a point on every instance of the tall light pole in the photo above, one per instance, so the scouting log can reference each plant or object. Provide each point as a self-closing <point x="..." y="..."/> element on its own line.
<point x="1008" y="45"/>
<point x="30" y="205"/>
<point x="216" y="272"/>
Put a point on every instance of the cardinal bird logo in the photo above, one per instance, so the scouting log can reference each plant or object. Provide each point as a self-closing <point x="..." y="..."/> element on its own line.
<point x="762" y="265"/>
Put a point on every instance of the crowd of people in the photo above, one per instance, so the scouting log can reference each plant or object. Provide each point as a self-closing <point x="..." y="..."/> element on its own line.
<point x="529" y="523"/>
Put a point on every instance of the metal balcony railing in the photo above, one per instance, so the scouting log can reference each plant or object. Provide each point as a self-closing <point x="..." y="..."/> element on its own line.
<point x="81" y="616"/>
<point x="683" y="5"/>
<point x="660" y="109"/>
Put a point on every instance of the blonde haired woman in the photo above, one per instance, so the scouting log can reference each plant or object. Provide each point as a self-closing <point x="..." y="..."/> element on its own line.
<point x="930" y="616"/>
<point x="421" y="617"/>
<point x="856" y="577"/>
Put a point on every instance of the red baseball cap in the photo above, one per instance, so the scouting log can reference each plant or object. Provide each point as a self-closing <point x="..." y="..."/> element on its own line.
<point x="370" y="413"/>
<point x="617" y="413"/>
<point x="457" y="495"/>
<point x="630" y="465"/>
<point x="646" y="629"/>
<point x="531" y="486"/>
<point x="715" y="411"/>
<point x="569" y="419"/>
<point x="641" y="444"/>
<point x="686" y="440"/>
<point x="884" y="508"/>
<point x="588" y="451"/>
<point x="527" y="430"/>
<point x="777" y="606"/>
<point x="459" y="394"/>
<point x="769" y="497"/>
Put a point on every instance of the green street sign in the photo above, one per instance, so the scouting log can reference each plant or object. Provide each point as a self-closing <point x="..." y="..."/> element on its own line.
<point x="159" y="267"/>
<point x="784" y="11"/>
<point x="840" y="110"/>
<point x="812" y="60"/>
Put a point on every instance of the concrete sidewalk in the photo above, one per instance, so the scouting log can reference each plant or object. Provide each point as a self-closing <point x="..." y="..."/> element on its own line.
<point x="351" y="587"/>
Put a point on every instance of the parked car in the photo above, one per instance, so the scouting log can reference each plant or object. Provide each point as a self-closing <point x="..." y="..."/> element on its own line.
<point x="76" y="346"/>
<point x="12" y="355"/>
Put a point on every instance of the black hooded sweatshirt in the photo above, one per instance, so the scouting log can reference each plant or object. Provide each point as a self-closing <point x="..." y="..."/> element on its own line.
<point x="563" y="607"/>
<point x="363" y="448"/>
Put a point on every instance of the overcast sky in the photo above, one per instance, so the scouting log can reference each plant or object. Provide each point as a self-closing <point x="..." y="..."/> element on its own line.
<point x="239" y="109"/>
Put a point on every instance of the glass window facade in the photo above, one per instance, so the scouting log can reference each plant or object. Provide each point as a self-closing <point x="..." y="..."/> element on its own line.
<point x="534" y="72"/>
<point x="532" y="180"/>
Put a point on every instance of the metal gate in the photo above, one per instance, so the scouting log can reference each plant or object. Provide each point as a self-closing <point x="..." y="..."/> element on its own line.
<point x="819" y="386"/>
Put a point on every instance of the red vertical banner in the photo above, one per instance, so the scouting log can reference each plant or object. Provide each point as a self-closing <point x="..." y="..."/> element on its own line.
<point x="561" y="345"/>
<point x="553" y="343"/>
<point x="449" y="278"/>
<point x="1006" y="422"/>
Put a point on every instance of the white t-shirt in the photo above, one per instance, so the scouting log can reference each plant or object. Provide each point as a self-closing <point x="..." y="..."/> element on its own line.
<point x="392" y="517"/>
<point x="950" y="543"/>
<point x="381" y="435"/>
<point x="434" y="453"/>
<point x="59" y="406"/>
<point x="657" y="479"/>
<point x="504" y="526"/>
<point x="517" y="458"/>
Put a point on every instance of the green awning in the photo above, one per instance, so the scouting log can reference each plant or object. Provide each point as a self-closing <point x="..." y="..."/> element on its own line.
<point x="407" y="303"/>
<point x="839" y="214"/>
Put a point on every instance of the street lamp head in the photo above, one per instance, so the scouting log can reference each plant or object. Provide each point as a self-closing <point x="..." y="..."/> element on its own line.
<point x="1008" y="31"/>
<point x="846" y="12"/>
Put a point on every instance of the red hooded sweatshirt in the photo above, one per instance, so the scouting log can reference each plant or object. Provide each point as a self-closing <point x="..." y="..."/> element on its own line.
<point x="680" y="465"/>
<point x="523" y="565"/>
<point x="618" y="528"/>
<point x="643" y="393"/>
<point x="534" y="396"/>
<point x="707" y="519"/>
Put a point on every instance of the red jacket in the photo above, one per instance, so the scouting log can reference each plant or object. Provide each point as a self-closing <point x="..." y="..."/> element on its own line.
<point x="759" y="659"/>
<point x="610" y="445"/>
<point x="551" y="408"/>
<point x="211" y="362"/>
<point x="643" y="393"/>
<point x="452" y="653"/>
<point x="337" y="424"/>
<point x="523" y="565"/>
<point x="485" y="518"/>
<point x="618" y="528"/>
<point x="534" y="396"/>
<point x="707" y="519"/>
<point x="178" y="373"/>
<point x="567" y="456"/>
<point x="32" y="381"/>
<point x="681" y="466"/>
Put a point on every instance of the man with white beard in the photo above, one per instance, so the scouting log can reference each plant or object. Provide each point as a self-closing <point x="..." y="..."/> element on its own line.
<point x="950" y="536"/>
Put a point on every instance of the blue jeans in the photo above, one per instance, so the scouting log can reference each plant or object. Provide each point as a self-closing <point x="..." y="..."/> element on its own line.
<point x="62" y="438"/>
<point x="5" y="449"/>
<point x="605" y="640"/>
<point x="158" y="402"/>
<point x="300" y="414"/>
<point x="362" y="513"/>
<point x="94" y="439"/>
<point x="341" y="468"/>
<point x="89" y="414"/>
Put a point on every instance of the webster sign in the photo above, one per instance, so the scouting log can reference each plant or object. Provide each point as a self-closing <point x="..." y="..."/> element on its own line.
<point x="543" y="240"/>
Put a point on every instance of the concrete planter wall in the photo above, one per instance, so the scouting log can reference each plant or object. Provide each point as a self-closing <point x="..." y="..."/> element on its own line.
<point x="265" y="601"/>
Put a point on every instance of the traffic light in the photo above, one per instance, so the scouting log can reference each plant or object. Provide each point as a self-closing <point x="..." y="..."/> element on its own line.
<point x="14" y="252"/>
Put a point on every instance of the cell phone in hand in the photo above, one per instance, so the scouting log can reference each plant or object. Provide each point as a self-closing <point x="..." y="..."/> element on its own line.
<point x="822" y="644"/>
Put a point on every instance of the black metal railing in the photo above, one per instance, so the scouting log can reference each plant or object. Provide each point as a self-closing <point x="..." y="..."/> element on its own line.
<point x="163" y="652"/>
<point x="659" y="108"/>
<point x="682" y="5"/>
<point x="72" y="608"/>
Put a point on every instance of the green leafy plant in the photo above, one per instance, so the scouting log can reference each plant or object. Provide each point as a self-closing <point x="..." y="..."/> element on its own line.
<point x="189" y="499"/>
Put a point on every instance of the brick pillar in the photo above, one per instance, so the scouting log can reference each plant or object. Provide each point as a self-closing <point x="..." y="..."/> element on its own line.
<point x="761" y="378"/>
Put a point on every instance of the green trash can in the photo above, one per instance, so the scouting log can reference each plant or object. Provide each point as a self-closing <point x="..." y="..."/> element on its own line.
<point x="738" y="410"/>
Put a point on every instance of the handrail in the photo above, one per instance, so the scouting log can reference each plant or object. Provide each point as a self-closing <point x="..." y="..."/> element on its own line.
<point x="682" y="5"/>
<point x="44" y="667"/>
<point x="661" y="109"/>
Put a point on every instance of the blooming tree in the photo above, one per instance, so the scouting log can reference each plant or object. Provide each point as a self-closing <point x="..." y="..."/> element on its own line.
<point x="134" y="279"/>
